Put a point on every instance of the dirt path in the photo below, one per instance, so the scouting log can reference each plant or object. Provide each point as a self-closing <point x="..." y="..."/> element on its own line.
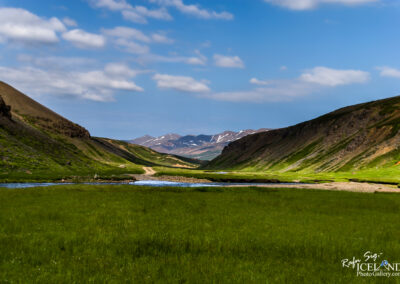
<point x="149" y="171"/>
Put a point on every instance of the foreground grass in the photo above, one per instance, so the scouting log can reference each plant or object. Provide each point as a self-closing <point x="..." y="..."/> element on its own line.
<point x="146" y="235"/>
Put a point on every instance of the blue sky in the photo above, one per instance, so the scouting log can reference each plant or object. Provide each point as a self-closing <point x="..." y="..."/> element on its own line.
<point x="125" y="68"/>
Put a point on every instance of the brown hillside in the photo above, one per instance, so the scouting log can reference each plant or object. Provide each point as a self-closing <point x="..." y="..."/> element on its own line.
<point x="33" y="112"/>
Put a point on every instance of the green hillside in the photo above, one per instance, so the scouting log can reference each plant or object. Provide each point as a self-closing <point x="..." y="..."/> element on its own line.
<point x="354" y="139"/>
<point x="38" y="144"/>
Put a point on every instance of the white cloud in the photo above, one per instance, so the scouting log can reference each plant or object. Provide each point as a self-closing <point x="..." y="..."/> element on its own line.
<point x="389" y="72"/>
<point x="287" y="90"/>
<point x="199" y="59"/>
<point x="311" y="4"/>
<point x="180" y="83"/>
<point x="334" y="77"/>
<point x="139" y="14"/>
<point x="228" y="61"/>
<point x="194" y="10"/>
<point x="131" y="46"/>
<point x="120" y="70"/>
<point x="83" y="39"/>
<point x="128" y="39"/>
<point x="129" y="33"/>
<point x="115" y="5"/>
<point x="96" y="85"/>
<point x="161" y="38"/>
<point x="136" y="14"/>
<point x="134" y="34"/>
<point x="70" y="22"/>
<point x="19" y="25"/>
<point x="255" y="81"/>
<point x="280" y="90"/>
<point x="56" y="62"/>
<point x="134" y="17"/>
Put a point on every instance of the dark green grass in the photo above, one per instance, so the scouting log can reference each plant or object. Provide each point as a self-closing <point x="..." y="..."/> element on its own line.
<point x="114" y="234"/>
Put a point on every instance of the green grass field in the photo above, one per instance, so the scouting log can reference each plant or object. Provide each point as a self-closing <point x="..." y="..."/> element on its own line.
<point x="381" y="175"/>
<point x="114" y="234"/>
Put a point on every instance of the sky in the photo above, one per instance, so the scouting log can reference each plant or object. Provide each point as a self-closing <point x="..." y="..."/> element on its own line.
<point x="125" y="68"/>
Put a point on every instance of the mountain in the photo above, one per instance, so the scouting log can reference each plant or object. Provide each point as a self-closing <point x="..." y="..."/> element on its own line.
<point x="363" y="136"/>
<point x="37" y="143"/>
<point x="202" y="147"/>
<point x="156" y="142"/>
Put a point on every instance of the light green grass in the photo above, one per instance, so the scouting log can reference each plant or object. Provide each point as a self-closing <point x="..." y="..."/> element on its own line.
<point x="379" y="175"/>
<point x="123" y="234"/>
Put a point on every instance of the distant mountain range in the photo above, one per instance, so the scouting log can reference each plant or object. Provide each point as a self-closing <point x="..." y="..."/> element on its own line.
<point x="202" y="147"/>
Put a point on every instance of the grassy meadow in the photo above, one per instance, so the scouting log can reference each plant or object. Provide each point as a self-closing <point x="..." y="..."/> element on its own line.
<point x="113" y="234"/>
<point x="389" y="175"/>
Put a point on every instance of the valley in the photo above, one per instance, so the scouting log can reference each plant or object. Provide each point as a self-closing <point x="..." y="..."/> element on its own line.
<point x="356" y="143"/>
<point x="199" y="142"/>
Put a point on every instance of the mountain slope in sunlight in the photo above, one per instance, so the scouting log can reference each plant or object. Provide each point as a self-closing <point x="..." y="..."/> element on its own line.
<point x="364" y="136"/>
<point x="37" y="143"/>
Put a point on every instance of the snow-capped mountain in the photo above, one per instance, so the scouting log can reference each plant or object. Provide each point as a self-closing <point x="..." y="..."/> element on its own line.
<point x="204" y="147"/>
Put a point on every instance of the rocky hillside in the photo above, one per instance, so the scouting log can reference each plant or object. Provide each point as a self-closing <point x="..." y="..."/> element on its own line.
<point x="203" y="147"/>
<point x="5" y="110"/>
<point x="356" y="137"/>
<point x="37" y="143"/>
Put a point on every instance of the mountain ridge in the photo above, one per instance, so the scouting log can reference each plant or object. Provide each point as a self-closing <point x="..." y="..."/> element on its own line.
<point x="352" y="138"/>
<point x="201" y="146"/>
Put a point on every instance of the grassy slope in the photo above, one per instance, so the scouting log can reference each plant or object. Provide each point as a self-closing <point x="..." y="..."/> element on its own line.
<point x="30" y="154"/>
<point x="38" y="144"/>
<point x="151" y="157"/>
<point x="147" y="235"/>
<point x="360" y="141"/>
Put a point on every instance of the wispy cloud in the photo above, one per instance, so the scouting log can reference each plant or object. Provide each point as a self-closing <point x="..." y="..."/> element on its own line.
<point x="161" y="38"/>
<point x="70" y="22"/>
<point x="131" y="46"/>
<point x="228" y="61"/>
<point x="139" y="14"/>
<point x="389" y="72"/>
<point x="255" y="81"/>
<point x="56" y="62"/>
<point x="286" y="90"/>
<point x="312" y="4"/>
<point x="83" y="39"/>
<point x="135" y="34"/>
<point x="22" y="26"/>
<point x="180" y="83"/>
<point x="136" y="14"/>
<point x="128" y="39"/>
<point x="96" y="85"/>
<point x="275" y="91"/>
<point x="334" y="77"/>
<point x="115" y="5"/>
<point x="194" y="10"/>
<point x="198" y="59"/>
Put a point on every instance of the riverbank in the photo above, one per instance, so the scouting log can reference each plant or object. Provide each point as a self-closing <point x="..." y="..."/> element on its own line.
<point x="171" y="178"/>
<point x="337" y="186"/>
